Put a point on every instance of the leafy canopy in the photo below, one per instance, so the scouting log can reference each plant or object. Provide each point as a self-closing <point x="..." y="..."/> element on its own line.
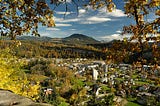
<point x="13" y="78"/>
<point x="144" y="30"/>
<point x="22" y="16"/>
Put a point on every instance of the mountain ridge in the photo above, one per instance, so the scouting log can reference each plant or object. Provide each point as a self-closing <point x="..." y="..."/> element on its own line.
<point x="72" y="39"/>
<point x="42" y="38"/>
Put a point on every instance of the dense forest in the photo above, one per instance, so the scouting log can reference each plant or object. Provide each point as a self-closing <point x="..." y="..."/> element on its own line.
<point x="117" y="51"/>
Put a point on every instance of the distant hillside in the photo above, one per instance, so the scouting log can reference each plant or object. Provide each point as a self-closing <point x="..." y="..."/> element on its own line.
<point x="73" y="39"/>
<point x="79" y="39"/>
<point x="42" y="38"/>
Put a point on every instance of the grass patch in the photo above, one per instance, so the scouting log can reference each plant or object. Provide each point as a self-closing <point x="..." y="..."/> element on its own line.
<point x="26" y="71"/>
<point x="134" y="76"/>
<point x="120" y="79"/>
<point x="132" y="104"/>
<point x="131" y="99"/>
<point x="37" y="78"/>
<point x="141" y="82"/>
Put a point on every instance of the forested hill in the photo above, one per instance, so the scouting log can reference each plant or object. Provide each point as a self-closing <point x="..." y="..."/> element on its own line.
<point x="34" y="38"/>
<point x="80" y="39"/>
<point x="35" y="48"/>
<point x="31" y="48"/>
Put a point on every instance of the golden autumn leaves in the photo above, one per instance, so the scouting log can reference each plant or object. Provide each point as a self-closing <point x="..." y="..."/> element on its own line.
<point x="13" y="78"/>
<point x="23" y="16"/>
<point x="138" y="9"/>
<point x="101" y="3"/>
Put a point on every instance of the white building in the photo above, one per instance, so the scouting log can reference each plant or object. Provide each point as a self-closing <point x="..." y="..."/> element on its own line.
<point x="95" y="74"/>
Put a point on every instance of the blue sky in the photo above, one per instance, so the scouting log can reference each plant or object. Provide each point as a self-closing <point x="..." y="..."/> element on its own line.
<point x="98" y="24"/>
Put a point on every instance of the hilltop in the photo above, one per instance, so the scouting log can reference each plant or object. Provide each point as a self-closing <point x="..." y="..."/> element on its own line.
<point x="79" y="39"/>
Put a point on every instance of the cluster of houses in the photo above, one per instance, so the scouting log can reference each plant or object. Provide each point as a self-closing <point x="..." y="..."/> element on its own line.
<point x="141" y="82"/>
<point x="121" y="74"/>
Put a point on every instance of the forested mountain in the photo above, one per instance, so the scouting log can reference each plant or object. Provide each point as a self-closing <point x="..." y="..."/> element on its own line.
<point x="79" y="39"/>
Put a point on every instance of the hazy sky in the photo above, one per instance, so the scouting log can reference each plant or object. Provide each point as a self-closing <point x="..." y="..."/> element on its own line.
<point x="98" y="24"/>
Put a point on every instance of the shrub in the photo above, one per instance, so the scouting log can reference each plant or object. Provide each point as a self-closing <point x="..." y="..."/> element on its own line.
<point x="13" y="78"/>
<point x="39" y="66"/>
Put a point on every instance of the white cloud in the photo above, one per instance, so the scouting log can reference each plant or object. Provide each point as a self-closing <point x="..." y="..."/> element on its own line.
<point x="98" y="19"/>
<point x="117" y="13"/>
<point x="69" y="1"/>
<point x="65" y="20"/>
<point x="70" y="20"/>
<point x="53" y="29"/>
<point x="94" y="20"/>
<point x="119" y="31"/>
<point x="114" y="13"/>
<point x="110" y="37"/>
<point x="114" y="37"/>
<point x="57" y="19"/>
<point x="73" y="29"/>
<point x="63" y="25"/>
<point x="82" y="11"/>
<point x="62" y="13"/>
<point x="45" y="34"/>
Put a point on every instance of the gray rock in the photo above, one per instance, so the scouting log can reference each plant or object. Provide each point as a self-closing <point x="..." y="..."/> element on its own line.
<point x="7" y="98"/>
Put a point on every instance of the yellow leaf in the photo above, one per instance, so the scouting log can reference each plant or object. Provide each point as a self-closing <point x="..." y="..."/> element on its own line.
<point x="158" y="12"/>
<point x="51" y="23"/>
<point x="74" y="96"/>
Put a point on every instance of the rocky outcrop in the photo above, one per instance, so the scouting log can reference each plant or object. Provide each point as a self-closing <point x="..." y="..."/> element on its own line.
<point x="8" y="98"/>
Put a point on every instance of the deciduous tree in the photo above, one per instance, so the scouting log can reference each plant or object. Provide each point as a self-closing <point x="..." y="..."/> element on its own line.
<point x="22" y="16"/>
